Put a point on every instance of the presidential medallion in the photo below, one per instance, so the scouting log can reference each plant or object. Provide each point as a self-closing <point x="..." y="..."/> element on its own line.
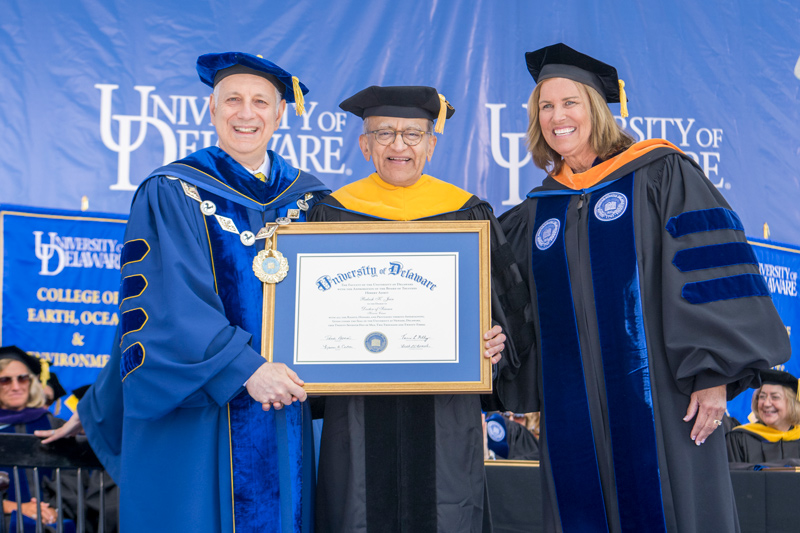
<point x="270" y="266"/>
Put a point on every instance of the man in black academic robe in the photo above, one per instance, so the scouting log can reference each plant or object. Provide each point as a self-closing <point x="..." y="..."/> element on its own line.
<point x="406" y="463"/>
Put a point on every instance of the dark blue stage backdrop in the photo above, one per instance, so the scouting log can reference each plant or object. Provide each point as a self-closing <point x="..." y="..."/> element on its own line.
<point x="97" y="93"/>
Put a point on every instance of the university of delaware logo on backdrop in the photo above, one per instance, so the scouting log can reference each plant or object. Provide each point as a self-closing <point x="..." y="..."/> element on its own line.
<point x="74" y="252"/>
<point x="698" y="142"/>
<point x="181" y="125"/>
<point x="610" y="206"/>
<point x="547" y="234"/>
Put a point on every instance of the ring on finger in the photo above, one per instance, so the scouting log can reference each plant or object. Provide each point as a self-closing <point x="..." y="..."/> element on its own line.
<point x="718" y="422"/>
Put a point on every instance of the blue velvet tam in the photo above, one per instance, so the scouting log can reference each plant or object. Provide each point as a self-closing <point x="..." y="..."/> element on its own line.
<point x="212" y="68"/>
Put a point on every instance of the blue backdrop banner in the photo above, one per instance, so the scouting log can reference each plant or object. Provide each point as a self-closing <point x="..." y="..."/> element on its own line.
<point x="59" y="278"/>
<point x="97" y="93"/>
<point x="779" y="264"/>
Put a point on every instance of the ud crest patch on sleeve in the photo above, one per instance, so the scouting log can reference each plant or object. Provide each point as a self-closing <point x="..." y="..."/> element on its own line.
<point x="547" y="233"/>
<point x="611" y="206"/>
<point x="495" y="431"/>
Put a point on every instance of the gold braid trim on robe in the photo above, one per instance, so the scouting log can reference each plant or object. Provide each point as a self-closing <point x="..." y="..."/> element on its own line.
<point x="427" y="197"/>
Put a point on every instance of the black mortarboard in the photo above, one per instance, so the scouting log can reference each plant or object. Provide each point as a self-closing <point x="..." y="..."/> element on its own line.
<point x="213" y="68"/>
<point x="80" y="391"/>
<point x="58" y="389"/>
<point x="561" y="61"/>
<point x="404" y="101"/>
<point x="779" y="377"/>
<point x="18" y="354"/>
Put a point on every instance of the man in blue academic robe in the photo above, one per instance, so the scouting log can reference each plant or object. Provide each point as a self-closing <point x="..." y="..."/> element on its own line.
<point x="199" y="431"/>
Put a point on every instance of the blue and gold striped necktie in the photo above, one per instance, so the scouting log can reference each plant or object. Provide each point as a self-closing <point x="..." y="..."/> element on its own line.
<point x="261" y="176"/>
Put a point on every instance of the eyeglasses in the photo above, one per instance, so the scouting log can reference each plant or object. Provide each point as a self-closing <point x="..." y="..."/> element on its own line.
<point x="22" y="379"/>
<point x="387" y="137"/>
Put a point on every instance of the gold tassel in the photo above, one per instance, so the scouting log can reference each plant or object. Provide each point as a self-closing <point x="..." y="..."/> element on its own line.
<point x="442" y="114"/>
<point x="299" y="101"/>
<point x="766" y="230"/>
<point x="44" y="377"/>
<point x="623" y="100"/>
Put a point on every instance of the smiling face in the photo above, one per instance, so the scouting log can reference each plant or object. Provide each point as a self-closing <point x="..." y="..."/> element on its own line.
<point x="398" y="164"/>
<point x="566" y="123"/>
<point x="772" y="407"/>
<point x="14" y="395"/>
<point x="246" y="113"/>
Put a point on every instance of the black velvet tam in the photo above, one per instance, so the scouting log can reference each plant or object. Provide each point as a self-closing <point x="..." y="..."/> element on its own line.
<point x="561" y="61"/>
<point x="405" y="101"/>
<point x="214" y="67"/>
<point x="779" y="377"/>
<point x="18" y="354"/>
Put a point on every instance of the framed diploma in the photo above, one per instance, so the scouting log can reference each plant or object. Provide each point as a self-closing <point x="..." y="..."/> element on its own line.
<point x="381" y="307"/>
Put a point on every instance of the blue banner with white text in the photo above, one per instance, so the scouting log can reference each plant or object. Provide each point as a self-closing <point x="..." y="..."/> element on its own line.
<point x="98" y="93"/>
<point x="59" y="279"/>
<point x="107" y="91"/>
<point x="779" y="264"/>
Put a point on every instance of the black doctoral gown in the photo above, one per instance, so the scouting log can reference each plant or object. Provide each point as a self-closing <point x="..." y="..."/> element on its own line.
<point x="757" y="444"/>
<point x="643" y="290"/>
<point x="408" y="463"/>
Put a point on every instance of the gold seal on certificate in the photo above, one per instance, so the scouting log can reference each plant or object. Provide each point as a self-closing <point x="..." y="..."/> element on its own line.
<point x="270" y="266"/>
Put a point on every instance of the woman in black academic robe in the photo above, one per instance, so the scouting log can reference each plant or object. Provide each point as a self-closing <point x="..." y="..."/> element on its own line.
<point x="774" y="439"/>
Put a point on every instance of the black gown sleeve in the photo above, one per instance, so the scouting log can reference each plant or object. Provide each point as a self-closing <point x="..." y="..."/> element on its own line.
<point x="726" y="340"/>
<point x="518" y="381"/>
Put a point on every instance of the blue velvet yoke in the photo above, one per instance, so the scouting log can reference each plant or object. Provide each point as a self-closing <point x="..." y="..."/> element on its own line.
<point x="617" y="300"/>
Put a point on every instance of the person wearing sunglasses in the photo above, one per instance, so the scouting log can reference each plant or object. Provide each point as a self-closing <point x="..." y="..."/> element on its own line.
<point x="22" y="410"/>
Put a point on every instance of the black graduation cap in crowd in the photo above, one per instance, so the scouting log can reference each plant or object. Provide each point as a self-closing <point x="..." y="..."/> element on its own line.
<point x="779" y="377"/>
<point x="561" y="61"/>
<point x="402" y="101"/>
<point x="18" y="354"/>
<point x="58" y="388"/>
<point x="213" y="68"/>
<point x="80" y="391"/>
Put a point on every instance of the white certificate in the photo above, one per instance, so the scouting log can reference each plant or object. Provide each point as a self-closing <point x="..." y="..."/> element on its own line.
<point x="376" y="308"/>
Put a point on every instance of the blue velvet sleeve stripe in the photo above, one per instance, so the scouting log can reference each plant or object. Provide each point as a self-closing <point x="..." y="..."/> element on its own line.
<point x="713" y="256"/>
<point x="132" y="286"/>
<point x="703" y="220"/>
<point x="134" y="251"/>
<point x="726" y="288"/>
<point x="132" y="321"/>
<point x="132" y="358"/>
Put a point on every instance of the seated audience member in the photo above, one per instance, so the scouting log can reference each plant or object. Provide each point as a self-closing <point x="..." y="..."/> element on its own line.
<point x="22" y="411"/>
<point x="53" y="391"/>
<point x="509" y="437"/>
<point x="774" y="440"/>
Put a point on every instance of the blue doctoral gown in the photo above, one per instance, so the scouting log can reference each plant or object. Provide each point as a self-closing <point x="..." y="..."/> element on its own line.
<point x="169" y="415"/>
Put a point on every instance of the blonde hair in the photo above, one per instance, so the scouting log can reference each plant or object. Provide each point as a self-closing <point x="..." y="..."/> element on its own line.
<point x="606" y="137"/>
<point x="35" y="390"/>
<point x="792" y="405"/>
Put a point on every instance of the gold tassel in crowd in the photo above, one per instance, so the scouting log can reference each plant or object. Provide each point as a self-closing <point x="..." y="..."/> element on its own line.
<point x="299" y="101"/>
